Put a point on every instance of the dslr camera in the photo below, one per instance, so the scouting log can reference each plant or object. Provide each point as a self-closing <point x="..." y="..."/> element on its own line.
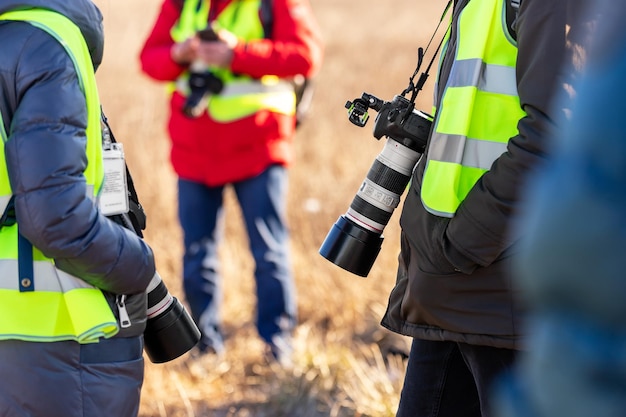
<point x="354" y="241"/>
<point x="170" y="331"/>
<point x="202" y="82"/>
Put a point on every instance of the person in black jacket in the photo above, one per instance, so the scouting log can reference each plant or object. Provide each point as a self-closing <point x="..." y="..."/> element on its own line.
<point x="454" y="293"/>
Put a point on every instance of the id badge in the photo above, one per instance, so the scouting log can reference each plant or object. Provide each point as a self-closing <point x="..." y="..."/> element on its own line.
<point x="114" y="193"/>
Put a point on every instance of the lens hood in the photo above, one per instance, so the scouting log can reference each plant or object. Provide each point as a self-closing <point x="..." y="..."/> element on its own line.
<point x="170" y="334"/>
<point x="351" y="247"/>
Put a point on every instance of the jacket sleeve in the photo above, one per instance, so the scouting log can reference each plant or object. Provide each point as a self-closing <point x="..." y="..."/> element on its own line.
<point x="46" y="160"/>
<point x="296" y="45"/>
<point x="481" y="229"/>
<point x="154" y="57"/>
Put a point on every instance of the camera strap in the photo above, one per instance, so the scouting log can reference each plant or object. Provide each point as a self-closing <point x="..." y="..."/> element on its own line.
<point x="135" y="210"/>
<point x="414" y="88"/>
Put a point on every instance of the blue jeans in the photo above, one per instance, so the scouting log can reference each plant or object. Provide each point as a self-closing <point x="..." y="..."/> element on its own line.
<point x="449" y="379"/>
<point x="263" y="203"/>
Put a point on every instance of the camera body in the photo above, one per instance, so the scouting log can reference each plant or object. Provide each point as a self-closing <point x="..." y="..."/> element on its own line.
<point x="396" y="119"/>
<point x="354" y="241"/>
<point x="202" y="82"/>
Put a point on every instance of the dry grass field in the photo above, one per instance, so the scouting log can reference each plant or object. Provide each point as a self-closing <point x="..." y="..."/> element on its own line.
<point x="341" y="367"/>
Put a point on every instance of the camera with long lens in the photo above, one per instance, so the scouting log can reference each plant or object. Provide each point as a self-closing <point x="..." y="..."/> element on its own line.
<point x="170" y="331"/>
<point x="354" y="241"/>
<point x="202" y="82"/>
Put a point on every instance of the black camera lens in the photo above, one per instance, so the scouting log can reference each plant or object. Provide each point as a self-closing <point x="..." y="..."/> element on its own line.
<point x="170" y="330"/>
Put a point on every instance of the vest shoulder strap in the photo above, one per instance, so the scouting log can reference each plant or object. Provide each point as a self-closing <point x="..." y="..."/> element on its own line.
<point x="303" y="86"/>
<point x="512" y="10"/>
<point x="266" y="14"/>
<point x="267" y="17"/>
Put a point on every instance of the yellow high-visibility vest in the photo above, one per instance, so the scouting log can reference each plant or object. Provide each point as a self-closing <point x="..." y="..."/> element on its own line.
<point x="479" y="108"/>
<point x="242" y="96"/>
<point x="52" y="305"/>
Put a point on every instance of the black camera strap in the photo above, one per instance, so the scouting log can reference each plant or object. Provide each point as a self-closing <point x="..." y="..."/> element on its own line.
<point x="135" y="212"/>
<point x="415" y="88"/>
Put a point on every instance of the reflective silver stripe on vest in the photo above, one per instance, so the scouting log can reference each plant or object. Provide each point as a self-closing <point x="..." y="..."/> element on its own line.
<point x="91" y="191"/>
<point x="238" y="88"/>
<point x="47" y="277"/>
<point x="466" y="151"/>
<point x="4" y="200"/>
<point x="497" y="79"/>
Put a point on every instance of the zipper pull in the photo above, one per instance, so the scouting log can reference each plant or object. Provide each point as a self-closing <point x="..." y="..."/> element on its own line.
<point x="120" y="300"/>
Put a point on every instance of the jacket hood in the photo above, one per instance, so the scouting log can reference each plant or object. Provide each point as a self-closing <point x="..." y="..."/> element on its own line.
<point x="84" y="13"/>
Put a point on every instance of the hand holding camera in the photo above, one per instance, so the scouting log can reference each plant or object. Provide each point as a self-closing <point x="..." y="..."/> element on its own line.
<point x="215" y="49"/>
<point x="210" y="47"/>
<point x="204" y="50"/>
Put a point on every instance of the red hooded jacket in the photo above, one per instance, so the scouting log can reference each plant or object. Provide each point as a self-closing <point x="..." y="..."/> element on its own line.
<point x="215" y="153"/>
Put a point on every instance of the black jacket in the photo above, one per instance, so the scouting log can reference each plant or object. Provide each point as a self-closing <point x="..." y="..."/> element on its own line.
<point x="454" y="279"/>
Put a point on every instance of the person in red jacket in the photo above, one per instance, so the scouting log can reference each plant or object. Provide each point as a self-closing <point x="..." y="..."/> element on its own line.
<point x="231" y="66"/>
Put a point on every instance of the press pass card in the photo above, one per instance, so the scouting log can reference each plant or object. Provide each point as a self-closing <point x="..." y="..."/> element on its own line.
<point x="114" y="194"/>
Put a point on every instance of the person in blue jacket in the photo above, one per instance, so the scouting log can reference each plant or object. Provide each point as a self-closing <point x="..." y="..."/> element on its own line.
<point x="571" y="266"/>
<point x="67" y="272"/>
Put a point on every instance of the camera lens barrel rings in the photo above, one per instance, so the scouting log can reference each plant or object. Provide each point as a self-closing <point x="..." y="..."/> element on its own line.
<point x="354" y="241"/>
<point x="380" y="192"/>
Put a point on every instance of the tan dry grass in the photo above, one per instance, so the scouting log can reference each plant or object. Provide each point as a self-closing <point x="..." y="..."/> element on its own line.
<point x="339" y="369"/>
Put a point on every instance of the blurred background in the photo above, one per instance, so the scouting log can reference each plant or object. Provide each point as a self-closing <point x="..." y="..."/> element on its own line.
<point x="344" y="364"/>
